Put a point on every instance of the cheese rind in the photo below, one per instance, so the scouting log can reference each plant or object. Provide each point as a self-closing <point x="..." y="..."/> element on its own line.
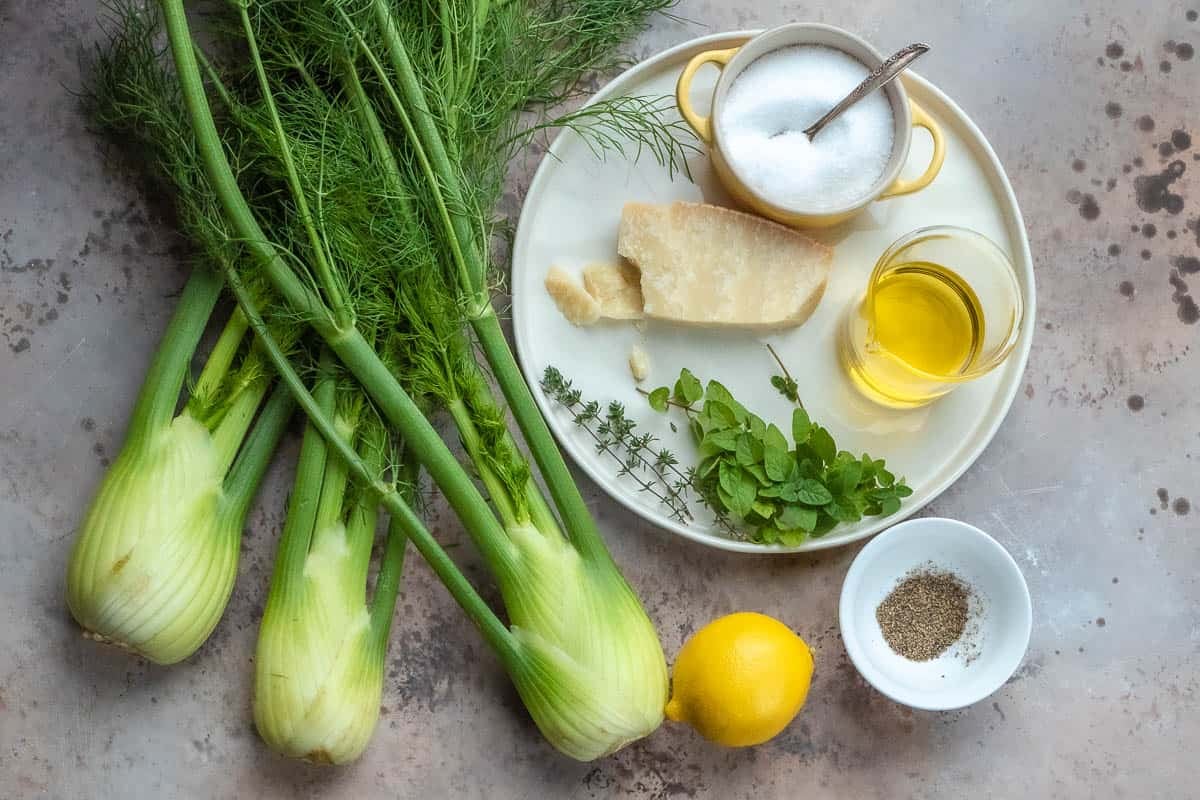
<point x="616" y="287"/>
<point x="579" y="307"/>
<point x="709" y="265"/>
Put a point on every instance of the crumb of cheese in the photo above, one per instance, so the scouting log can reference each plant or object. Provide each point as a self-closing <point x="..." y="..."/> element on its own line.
<point x="579" y="307"/>
<point x="639" y="363"/>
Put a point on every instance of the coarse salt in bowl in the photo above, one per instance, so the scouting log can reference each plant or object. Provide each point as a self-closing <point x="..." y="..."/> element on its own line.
<point x="788" y="78"/>
<point x="998" y="627"/>
<point x="777" y="96"/>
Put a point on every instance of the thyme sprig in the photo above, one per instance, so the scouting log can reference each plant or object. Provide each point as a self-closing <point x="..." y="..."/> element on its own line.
<point x="655" y="469"/>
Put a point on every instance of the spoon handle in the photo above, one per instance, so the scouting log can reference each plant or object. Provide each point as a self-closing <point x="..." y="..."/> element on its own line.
<point x="880" y="76"/>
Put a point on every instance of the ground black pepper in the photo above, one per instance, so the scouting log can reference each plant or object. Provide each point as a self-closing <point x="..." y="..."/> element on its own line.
<point x="924" y="614"/>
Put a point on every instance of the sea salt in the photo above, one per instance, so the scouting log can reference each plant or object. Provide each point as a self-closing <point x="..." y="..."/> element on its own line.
<point x="766" y="110"/>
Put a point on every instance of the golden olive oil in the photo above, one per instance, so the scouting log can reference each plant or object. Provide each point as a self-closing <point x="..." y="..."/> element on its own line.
<point x="919" y="326"/>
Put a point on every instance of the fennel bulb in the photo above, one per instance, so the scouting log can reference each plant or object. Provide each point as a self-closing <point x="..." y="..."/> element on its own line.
<point x="321" y="644"/>
<point x="154" y="562"/>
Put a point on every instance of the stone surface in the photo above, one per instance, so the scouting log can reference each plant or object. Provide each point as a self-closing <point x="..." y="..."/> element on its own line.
<point x="1106" y="703"/>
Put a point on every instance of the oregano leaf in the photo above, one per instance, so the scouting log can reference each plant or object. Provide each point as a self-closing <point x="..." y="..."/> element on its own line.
<point x="687" y="389"/>
<point x="796" y="518"/>
<point x="658" y="399"/>
<point x="777" y="462"/>
<point x="822" y="443"/>
<point x="813" y="493"/>
<point x="801" y="426"/>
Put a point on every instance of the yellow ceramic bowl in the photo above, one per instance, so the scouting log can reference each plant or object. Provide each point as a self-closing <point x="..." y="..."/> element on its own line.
<point x="905" y="113"/>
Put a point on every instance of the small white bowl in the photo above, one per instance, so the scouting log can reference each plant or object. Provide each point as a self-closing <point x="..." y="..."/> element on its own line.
<point x="997" y="631"/>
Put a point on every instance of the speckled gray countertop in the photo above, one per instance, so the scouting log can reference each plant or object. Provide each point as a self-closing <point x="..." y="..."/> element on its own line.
<point x="1090" y="106"/>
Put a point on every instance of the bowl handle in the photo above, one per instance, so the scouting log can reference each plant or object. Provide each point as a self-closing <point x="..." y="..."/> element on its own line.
<point x="921" y="119"/>
<point x="701" y="125"/>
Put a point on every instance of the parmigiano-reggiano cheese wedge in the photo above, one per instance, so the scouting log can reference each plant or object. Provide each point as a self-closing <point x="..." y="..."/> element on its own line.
<point x="709" y="265"/>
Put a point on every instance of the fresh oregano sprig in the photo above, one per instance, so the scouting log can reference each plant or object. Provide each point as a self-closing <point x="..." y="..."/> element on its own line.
<point x="782" y="492"/>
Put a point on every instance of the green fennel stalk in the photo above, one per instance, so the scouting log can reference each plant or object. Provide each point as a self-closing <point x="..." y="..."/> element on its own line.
<point x="456" y="212"/>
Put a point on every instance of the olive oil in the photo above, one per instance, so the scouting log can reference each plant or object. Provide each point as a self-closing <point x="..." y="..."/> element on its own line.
<point x="920" y="327"/>
<point x="928" y="317"/>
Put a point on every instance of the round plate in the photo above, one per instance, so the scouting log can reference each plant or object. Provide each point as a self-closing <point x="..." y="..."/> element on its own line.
<point x="570" y="219"/>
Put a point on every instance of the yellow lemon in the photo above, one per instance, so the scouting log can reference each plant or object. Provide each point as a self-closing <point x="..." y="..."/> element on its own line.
<point x="740" y="679"/>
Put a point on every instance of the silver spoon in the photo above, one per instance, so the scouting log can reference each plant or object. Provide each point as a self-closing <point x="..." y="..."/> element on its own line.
<point x="880" y="76"/>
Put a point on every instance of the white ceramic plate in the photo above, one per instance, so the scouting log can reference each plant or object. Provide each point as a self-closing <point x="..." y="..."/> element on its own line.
<point x="570" y="219"/>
